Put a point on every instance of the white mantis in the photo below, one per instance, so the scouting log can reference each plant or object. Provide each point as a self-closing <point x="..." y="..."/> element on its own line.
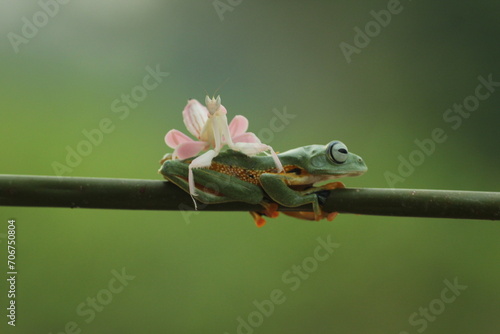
<point x="209" y="125"/>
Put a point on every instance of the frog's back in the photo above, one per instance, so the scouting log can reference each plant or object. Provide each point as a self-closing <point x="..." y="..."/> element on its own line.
<point x="238" y="159"/>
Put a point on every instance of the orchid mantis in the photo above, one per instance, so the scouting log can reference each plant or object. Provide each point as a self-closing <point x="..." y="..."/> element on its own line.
<point x="209" y="125"/>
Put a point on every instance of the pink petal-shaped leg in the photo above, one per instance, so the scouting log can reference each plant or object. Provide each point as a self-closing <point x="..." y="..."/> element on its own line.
<point x="247" y="137"/>
<point x="189" y="149"/>
<point x="251" y="149"/>
<point x="195" y="117"/>
<point x="174" y="138"/>
<point x="238" y="126"/>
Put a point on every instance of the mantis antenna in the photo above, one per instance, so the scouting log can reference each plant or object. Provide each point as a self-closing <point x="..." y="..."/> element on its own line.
<point x="222" y="85"/>
<point x="218" y="88"/>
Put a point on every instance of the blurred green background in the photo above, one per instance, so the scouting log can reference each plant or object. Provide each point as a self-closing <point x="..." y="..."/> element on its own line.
<point x="200" y="275"/>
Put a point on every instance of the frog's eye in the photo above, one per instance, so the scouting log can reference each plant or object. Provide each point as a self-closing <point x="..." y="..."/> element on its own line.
<point x="337" y="152"/>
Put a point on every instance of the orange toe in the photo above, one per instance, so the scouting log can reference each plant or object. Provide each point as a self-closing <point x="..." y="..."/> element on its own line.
<point x="258" y="219"/>
<point x="260" y="222"/>
<point x="270" y="209"/>
<point x="331" y="216"/>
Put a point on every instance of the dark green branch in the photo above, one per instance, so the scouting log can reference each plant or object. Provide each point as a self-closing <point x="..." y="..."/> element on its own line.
<point x="130" y="194"/>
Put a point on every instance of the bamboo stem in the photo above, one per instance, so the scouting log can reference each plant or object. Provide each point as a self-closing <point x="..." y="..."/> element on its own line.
<point x="131" y="194"/>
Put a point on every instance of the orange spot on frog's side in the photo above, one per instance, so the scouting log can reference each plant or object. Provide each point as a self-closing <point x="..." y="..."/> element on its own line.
<point x="251" y="175"/>
<point x="247" y="175"/>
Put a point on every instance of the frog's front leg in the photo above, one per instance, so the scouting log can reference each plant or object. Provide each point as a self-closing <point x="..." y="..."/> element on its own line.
<point x="321" y="195"/>
<point x="276" y="187"/>
<point x="328" y="186"/>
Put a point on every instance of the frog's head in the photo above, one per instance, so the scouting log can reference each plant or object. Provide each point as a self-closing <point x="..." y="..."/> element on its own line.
<point x="334" y="160"/>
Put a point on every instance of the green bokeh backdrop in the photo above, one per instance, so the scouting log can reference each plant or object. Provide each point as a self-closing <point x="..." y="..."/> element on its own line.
<point x="201" y="273"/>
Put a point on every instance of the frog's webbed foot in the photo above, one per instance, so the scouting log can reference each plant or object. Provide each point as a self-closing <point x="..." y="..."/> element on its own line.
<point x="322" y="195"/>
<point x="318" y="214"/>
<point x="258" y="219"/>
<point x="270" y="210"/>
<point x="324" y="189"/>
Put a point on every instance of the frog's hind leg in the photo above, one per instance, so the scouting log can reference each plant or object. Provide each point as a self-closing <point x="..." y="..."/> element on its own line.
<point x="213" y="187"/>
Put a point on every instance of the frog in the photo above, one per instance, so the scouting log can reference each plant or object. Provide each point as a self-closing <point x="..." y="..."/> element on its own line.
<point x="236" y="177"/>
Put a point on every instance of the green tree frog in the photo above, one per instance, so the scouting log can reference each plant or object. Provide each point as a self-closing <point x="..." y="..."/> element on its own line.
<point x="236" y="177"/>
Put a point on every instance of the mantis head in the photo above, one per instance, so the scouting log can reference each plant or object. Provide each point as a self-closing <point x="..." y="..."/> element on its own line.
<point x="213" y="104"/>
